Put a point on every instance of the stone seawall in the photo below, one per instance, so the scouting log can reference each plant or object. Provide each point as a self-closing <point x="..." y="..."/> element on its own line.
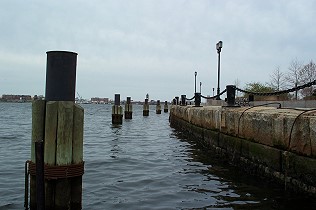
<point x="279" y="144"/>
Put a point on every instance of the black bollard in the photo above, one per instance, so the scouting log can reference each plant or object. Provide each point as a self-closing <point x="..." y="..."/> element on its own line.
<point x="158" y="107"/>
<point x="183" y="102"/>
<point x="251" y="98"/>
<point x="146" y="108"/>
<point x="197" y="100"/>
<point x="177" y="100"/>
<point x="128" y="108"/>
<point x="165" y="107"/>
<point x="231" y="91"/>
<point x="117" y="112"/>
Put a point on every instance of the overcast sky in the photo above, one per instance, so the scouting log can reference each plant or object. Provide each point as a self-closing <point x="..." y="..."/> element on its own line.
<point x="134" y="47"/>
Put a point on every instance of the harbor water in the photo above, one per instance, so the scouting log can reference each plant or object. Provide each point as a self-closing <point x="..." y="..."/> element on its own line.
<point x="141" y="164"/>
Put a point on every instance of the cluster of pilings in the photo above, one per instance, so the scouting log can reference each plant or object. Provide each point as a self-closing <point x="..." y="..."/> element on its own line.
<point x="117" y="110"/>
<point x="54" y="173"/>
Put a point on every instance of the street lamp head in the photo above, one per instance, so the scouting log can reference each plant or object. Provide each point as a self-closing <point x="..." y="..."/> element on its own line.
<point x="220" y="43"/>
<point x="219" y="46"/>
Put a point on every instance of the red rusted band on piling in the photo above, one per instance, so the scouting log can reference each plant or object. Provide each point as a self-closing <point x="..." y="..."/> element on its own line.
<point x="59" y="172"/>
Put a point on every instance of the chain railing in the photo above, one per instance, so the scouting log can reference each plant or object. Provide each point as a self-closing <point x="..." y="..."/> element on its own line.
<point x="278" y="92"/>
<point x="205" y="97"/>
<point x="214" y="97"/>
<point x="231" y="89"/>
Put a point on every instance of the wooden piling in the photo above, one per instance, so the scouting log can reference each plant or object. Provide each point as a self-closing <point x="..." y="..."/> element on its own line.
<point x="158" y="107"/>
<point x="60" y="124"/>
<point x="146" y="108"/>
<point x="64" y="152"/>
<point x="50" y="149"/>
<point x="165" y="106"/>
<point x="38" y="119"/>
<point x="77" y="156"/>
<point x="128" y="109"/>
<point x="117" y="111"/>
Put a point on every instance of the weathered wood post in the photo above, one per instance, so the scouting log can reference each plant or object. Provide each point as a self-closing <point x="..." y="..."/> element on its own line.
<point x="165" y="106"/>
<point x="62" y="128"/>
<point x="38" y="124"/>
<point x="117" y="111"/>
<point x="158" y="107"/>
<point x="128" y="109"/>
<point x="146" y="108"/>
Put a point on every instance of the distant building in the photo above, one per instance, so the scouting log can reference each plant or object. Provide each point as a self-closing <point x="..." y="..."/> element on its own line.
<point x="97" y="100"/>
<point x="16" y="98"/>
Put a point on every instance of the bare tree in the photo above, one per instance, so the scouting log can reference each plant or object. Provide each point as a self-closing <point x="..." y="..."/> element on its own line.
<point x="308" y="74"/>
<point x="237" y="84"/>
<point x="293" y="76"/>
<point x="278" y="80"/>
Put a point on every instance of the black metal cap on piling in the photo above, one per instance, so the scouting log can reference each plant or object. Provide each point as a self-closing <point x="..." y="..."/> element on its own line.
<point x="128" y="100"/>
<point x="60" y="76"/>
<point x="117" y="99"/>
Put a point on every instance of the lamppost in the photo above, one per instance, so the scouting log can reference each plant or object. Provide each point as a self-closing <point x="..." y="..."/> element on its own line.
<point x="213" y="91"/>
<point x="219" y="46"/>
<point x="201" y="87"/>
<point x="195" y="73"/>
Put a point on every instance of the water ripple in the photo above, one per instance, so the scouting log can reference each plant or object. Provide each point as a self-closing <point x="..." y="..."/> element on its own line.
<point x="142" y="164"/>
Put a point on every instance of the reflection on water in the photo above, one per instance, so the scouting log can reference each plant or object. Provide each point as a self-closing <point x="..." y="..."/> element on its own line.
<point x="142" y="164"/>
<point x="116" y="130"/>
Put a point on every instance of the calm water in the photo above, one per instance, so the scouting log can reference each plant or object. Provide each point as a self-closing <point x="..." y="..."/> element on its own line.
<point x="143" y="164"/>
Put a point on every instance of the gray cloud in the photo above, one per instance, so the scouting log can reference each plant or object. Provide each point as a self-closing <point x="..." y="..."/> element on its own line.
<point x="134" y="47"/>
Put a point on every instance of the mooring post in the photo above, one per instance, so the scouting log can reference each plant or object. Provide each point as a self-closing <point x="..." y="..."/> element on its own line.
<point x="62" y="131"/>
<point x="146" y="108"/>
<point x="183" y="102"/>
<point x="117" y="111"/>
<point x="158" y="107"/>
<point x="177" y="100"/>
<point x="231" y="91"/>
<point x="165" y="107"/>
<point x="251" y="100"/>
<point x="197" y="100"/>
<point x="128" y="109"/>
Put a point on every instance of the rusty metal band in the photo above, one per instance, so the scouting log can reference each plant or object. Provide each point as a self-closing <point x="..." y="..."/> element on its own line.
<point x="59" y="172"/>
